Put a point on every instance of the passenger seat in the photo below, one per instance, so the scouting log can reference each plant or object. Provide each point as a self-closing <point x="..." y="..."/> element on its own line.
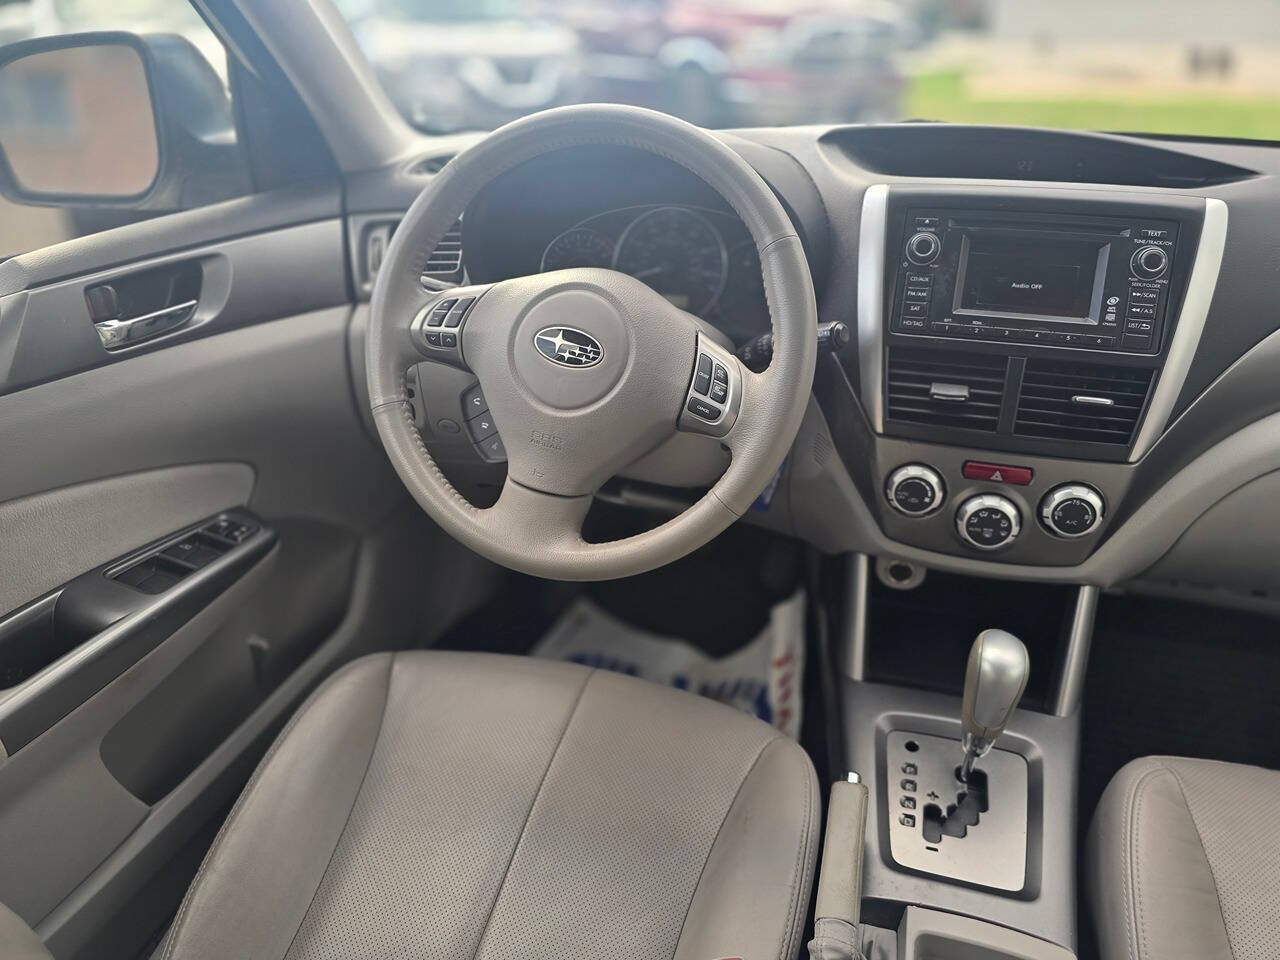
<point x="1183" y="860"/>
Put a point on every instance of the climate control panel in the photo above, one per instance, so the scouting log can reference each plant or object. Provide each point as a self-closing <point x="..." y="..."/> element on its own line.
<point x="975" y="505"/>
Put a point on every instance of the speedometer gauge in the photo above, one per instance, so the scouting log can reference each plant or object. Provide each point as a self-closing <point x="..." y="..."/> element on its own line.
<point x="678" y="253"/>
<point x="579" y="247"/>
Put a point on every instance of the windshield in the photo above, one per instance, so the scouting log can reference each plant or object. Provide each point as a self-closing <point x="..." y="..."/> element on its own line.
<point x="1145" y="66"/>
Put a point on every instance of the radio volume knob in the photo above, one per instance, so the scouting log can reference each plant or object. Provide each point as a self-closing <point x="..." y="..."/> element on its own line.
<point x="1071" y="511"/>
<point x="923" y="248"/>
<point x="988" y="521"/>
<point x="915" y="490"/>
<point x="1150" y="263"/>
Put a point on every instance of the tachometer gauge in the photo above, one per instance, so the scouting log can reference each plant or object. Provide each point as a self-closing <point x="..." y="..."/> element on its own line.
<point x="579" y="247"/>
<point x="678" y="253"/>
<point x="742" y="311"/>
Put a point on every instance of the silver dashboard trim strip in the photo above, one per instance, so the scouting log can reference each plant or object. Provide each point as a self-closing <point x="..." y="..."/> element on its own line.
<point x="871" y="266"/>
<point x="1186" y="338"/>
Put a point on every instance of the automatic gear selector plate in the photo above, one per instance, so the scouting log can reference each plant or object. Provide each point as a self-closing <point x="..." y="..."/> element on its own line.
<point x="990" y="848"/>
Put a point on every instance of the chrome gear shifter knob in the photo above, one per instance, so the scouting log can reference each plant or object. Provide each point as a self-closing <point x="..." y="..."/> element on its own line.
<point x="994" y="682"/>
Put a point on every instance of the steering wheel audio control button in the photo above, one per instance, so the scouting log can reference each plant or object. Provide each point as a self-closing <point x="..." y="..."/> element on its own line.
<point x="456" y="314"/>
<point x="481" y="427"/>
<point x="492" y="450"/>
<point x="474" y="403"/>
<point x="915" y="490"/>
<point x="988" y="522"/>
<point x="439" y="313"/>
<point x="700" y="408"/>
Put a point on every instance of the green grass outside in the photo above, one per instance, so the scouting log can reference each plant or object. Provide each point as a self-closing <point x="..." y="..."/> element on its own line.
<point x="944" y="95"/>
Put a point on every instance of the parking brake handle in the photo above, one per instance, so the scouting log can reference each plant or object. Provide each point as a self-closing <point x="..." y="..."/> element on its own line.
<point x="838" y="906"/>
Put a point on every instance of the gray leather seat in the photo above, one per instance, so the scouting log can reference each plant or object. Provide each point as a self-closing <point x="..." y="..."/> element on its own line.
<point x="443" y="805"/>
<point x="1184" y="861"/>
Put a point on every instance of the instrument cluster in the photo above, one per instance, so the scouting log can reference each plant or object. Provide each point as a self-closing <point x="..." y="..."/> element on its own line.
<point x="702" y="260"/>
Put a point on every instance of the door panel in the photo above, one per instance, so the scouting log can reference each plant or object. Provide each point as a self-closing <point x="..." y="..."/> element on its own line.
<point x="252" y="404"/>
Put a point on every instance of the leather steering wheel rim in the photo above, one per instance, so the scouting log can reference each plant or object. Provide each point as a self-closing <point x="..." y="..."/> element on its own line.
<point x="535" y="526"/>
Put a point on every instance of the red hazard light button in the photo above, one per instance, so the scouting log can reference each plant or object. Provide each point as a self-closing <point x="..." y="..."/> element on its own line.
<point x="997" y="473"/>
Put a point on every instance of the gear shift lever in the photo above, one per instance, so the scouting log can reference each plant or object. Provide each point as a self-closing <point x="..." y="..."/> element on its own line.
<point x="993" y="684"/>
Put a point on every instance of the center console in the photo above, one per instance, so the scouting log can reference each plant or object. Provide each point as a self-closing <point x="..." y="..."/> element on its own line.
<point x="1018" y="349"/>
<point x="972" y="786"/>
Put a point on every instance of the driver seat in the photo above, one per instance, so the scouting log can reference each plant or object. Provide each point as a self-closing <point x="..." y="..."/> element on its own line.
<point x="451" y="805"/>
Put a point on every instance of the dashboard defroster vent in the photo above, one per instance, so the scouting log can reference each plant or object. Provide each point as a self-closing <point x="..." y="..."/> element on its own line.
<point x="1081" y="402"/>
<point x="445" y="262"/>
<point x="946" y="388"/>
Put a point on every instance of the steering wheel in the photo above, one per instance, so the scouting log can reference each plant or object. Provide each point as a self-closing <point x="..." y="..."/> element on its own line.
<point x="587" y="370"/>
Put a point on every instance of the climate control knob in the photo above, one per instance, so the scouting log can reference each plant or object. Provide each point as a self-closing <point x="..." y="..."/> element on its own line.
<point x="1150" y="263"/>
<point x="915" y="490"/>
<point x="923" y="248"/>
<point x="1071" y="511"/>
<point x="988" y="521"/>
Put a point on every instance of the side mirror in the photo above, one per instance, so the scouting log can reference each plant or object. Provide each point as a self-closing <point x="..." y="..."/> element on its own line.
<point x="115" y="120"/>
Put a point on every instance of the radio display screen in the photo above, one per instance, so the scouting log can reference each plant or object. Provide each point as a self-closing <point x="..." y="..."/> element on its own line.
<point x="1032" y="278"/>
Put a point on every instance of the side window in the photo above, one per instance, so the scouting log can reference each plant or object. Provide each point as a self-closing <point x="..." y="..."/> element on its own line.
<point x="111" y="111"/>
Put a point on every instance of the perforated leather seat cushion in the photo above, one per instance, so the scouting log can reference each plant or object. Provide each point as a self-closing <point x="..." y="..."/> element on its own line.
<point x="438" y="805"/>
<point x="1184" y="861"/>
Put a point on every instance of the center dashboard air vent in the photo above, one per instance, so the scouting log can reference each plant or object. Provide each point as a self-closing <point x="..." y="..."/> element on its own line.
<point x="1081" y="402"/>
<point x="946" y="388"/>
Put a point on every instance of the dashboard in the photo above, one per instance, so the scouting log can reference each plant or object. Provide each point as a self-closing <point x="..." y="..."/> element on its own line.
<point x="1063" y="367"/>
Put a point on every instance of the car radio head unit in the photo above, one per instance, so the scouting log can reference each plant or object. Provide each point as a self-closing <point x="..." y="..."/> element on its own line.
<point x="1097" y="283"/>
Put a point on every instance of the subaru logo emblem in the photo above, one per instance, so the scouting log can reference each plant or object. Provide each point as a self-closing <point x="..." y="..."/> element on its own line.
<point x="568" y="347"/>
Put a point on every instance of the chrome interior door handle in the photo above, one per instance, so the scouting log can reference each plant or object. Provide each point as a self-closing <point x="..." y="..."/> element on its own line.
<point x="119" y="333"/>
